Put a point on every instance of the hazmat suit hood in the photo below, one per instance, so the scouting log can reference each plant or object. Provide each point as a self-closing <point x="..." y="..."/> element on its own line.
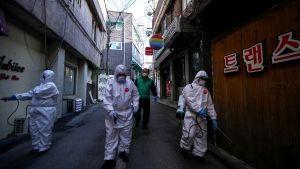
<point x="47" y="76"/>
<point x="120" y="74"/>
<point x="200" y="75"/>
<point x="120" y="70"/>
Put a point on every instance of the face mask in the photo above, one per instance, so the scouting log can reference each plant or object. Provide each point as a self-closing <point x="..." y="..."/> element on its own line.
<point x="201" y="82"/>
<point x="121" y="79"/>
<point x="145" y="74"/>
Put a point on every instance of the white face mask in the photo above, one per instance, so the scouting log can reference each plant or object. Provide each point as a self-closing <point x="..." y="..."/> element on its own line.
<point x="201" y="82"/>
<point x="121" y="79"/>
<point x="144" y="74"/>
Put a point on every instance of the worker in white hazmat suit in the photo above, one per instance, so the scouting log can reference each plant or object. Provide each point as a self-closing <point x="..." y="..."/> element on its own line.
<point x="121" y="100"/>
<point x="42" y="111"/>
<point x="198" y="105"/>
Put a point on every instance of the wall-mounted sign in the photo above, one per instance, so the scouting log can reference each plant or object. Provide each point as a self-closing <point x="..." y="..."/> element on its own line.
<point x="156" y="42"/>
<point x="4" y="76"/>
<point x="148" y="51"/>
<point x="10" y="65"/>
<point x="288" y="48"/>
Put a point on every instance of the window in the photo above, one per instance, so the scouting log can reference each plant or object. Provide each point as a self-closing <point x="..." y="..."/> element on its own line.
<point x="69" y="80"/>
<point x="116" y="45"/>
<point x="164" y="26"/>
<point x="184" y="4"/>
<point x="94" y="31"/>
<point x="116" y="25"/>
<point x="135" y="54"/>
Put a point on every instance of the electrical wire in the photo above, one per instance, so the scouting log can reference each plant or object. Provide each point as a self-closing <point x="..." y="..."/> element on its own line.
<point x="45" y="35"/>
<point x="7" y="120"/>
<point x="62" y="40"/>
<point x="33" y="6"/>
<point x="28" y="49"/>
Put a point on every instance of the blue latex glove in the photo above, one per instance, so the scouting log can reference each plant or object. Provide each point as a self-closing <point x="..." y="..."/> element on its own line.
<point x="113" y="115"/>
<point x="214" y="123"/>
<point x="202" y="113"/>
<point x="155" y="98"/>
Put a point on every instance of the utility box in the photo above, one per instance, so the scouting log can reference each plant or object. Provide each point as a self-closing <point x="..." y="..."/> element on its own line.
<point x="77" y="105"/>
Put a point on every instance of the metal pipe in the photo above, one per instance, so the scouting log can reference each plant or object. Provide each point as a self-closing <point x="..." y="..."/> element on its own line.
<point x="124" y="54"/>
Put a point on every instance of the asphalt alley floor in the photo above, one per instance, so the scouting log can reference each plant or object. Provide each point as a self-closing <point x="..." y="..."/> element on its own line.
<point x="79" y="144"/>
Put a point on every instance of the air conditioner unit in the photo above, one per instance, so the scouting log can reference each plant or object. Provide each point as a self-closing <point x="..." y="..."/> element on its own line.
<point x="77" y="105"/>
<point x="20" y="126"/>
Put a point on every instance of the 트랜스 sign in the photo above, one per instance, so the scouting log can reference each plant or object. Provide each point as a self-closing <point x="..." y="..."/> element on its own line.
<point x="288" y="49"/>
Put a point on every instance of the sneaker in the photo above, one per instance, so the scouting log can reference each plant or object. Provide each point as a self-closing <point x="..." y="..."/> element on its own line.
<point x="123" y="155"/>
<point x="184" y="153"/>
<point x="200" y="159"/>
<point x="108" y="164"/>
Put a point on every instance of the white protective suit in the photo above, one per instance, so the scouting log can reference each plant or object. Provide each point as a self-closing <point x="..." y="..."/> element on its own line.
<point x="122" y="99"/>
<point x="42" y="110"/>
<point x="196" y="98"/>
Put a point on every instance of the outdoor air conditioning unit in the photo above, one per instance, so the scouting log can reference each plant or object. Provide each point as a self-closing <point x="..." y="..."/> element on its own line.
<point x="20" y="126"/>
<point x="77" y="105"/>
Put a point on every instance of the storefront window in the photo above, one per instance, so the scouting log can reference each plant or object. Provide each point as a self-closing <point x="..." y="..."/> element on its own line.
<point x="69" y="80"/>
<point x="166" y="82"/>
<point x="196" y="64"/>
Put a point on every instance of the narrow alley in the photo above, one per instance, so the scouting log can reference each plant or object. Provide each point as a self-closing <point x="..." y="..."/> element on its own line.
<point x="79" y="144"/>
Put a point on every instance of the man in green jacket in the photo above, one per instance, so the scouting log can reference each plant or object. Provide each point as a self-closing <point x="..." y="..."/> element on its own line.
<point x="144" y="84"/>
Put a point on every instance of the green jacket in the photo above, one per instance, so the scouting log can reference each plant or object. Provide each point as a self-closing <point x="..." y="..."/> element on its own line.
<point x="144" y="85"/>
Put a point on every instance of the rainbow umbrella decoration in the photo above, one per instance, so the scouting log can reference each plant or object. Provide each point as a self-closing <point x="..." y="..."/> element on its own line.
<point x="156" y="42"/>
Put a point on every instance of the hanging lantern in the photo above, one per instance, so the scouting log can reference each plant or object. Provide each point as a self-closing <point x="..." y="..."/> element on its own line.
<point x="156" y="42"/>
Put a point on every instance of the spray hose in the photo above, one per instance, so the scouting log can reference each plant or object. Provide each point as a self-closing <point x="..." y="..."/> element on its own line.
<point x="201" y="131"/>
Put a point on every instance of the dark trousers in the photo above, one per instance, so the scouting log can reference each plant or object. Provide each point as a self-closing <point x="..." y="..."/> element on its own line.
<point x="145" y="105"/>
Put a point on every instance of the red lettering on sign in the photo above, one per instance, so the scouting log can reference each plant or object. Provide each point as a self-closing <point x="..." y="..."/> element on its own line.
<point x="15" y="77"/>
<point x="253" y="58"/>
<point x="287" y="49"/>
<point x="231" y="63"/>
<point x="148" y="51"/>
<point x="4" y="76"/>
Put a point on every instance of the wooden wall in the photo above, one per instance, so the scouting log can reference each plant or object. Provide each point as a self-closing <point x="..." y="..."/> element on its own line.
<point x="260" y="112"/>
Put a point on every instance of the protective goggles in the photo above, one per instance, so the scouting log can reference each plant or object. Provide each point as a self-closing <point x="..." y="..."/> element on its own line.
<point x="121" y="74"/>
